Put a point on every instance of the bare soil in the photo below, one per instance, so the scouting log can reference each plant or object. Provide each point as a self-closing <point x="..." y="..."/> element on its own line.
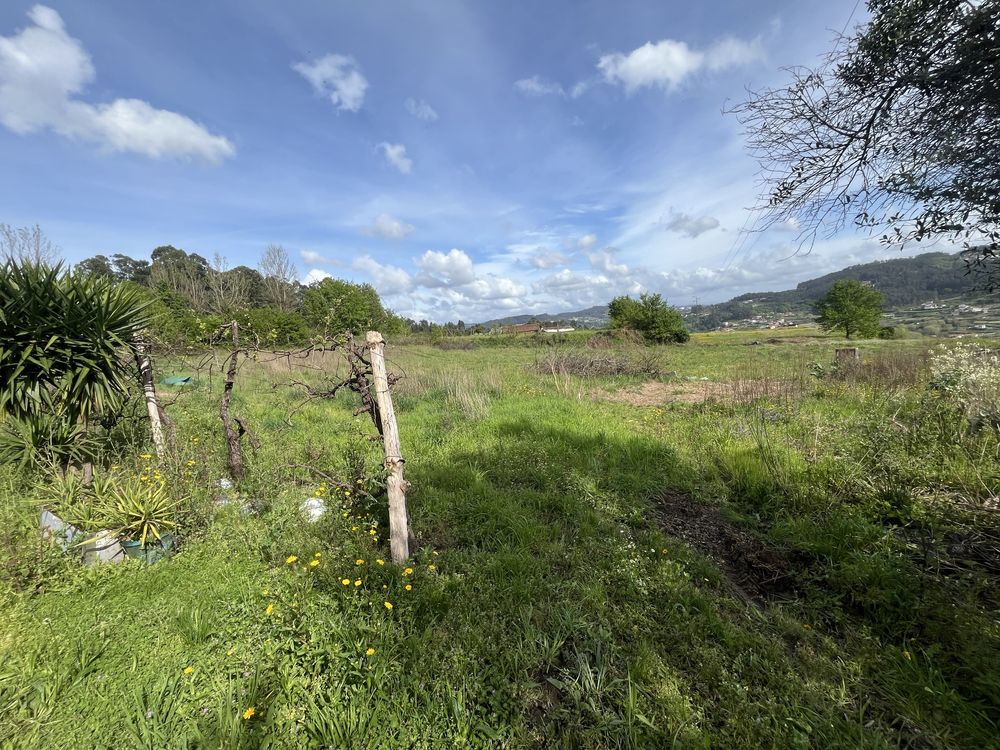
<point x="755" y="571"/>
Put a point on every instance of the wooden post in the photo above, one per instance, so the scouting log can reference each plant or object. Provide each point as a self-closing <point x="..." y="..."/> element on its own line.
<point x="399" y="543"/>
<point x="149" y="392"/>
<point x="847" y="354"/>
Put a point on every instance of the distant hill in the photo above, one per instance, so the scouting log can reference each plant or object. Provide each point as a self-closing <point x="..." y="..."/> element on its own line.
<point x="903" y="282"/>
<point x="592" y="317"/>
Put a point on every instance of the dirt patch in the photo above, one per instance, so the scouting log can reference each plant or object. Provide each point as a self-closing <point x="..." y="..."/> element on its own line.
<point x="755" y="571"/>
<point x="655" y="393"/>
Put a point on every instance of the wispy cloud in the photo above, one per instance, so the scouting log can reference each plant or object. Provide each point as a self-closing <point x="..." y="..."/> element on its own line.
<point x="337" y="77"/>
<point x="668" y="63"/>
<point x="388" y="227"/>
<point x="421" y="110"/>
<point x="395" y="154"/>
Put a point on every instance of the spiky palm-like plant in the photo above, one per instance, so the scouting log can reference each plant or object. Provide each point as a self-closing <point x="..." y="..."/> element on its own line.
<point x="65" y="341"/>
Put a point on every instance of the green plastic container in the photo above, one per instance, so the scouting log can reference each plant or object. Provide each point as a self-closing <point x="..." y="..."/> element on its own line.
<point x="153" y="551"/>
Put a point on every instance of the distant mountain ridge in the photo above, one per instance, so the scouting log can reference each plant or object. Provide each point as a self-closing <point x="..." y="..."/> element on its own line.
<point x="591" y="317"/>
<point x="902" y="281"/>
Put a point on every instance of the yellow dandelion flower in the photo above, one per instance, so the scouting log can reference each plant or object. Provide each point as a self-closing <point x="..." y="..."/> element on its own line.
<point x="230" y="652"/>
<point x="408" y="587"/>
<point x="370" y="652"/>
<point x="270" y="609"/>
<point x="248" y="714"/>
<point x="357" y="582"/>
<point x="908" y="656"/>
<point x="380" y="562"/>
<point x="347" y="494"/>
<point x="291" y="559"/>
<point x="265" y="592"/>
<point x="388" y="605"/>
<point x="313" y="563"/>
<point x="188" y="670"/>
<point x="346" y="581"/>
<point x="407" y="571"/>
<point x="432" y="568"/>
<point x="359" y="562"/>
<point x="318" y="554"/>
<point x="434" y="552"/>
<point x="146" y="456"/>
<point x="354" y="528"/>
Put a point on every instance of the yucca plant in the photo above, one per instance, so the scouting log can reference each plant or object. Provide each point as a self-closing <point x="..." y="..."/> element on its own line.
<point x="138" y="510"/>
<point x="66" y="343"/>
<point x="44" y="440"/>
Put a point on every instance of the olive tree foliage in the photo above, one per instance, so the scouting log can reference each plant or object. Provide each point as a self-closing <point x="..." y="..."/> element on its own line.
<point x="851" y="307"/>
<point x="897" y="131"/>
<point x="338" y="306"/>
<point x="26" y="245"/>
<point x="651" y="316"/>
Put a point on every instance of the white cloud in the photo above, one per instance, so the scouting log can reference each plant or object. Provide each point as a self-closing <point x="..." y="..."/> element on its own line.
<point x="338" y="77"/>
<point x="387" y="280"/>
<point x="395" y="154"/>
<point x="313" y="258"/>
<point x="388" y="227"/>
<point x="421" y="110"/>
<point x="691" y="226"/>
<point x="604" y="260"/>
<point x="314" y="275"/>
<point x="544" y="258"/>
<point x="587" y="241"/>
<point x="453" y="268"/>
<point x="539" y="86"/>
<point x="668" y="63"/>
<point x="42" y="69"/>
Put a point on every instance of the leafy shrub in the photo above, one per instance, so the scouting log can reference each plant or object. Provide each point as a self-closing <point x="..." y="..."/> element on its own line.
<point x="37" y="441"/>
<point x="274" y="327"/>
<point x="651" y="316"/>
<point x="970" y="377"/>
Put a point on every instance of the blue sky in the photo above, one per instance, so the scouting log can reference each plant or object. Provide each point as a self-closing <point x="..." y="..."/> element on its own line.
<point x="470" y="159"/>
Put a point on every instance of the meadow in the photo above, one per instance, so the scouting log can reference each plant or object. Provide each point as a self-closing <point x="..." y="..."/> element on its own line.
<point x="731" y="543"/>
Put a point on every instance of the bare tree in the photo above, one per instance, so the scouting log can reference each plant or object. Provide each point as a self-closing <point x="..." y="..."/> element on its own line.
<point x="27" y="245"/>
<point x="279" y="277"/>
<point x="229" y="290"/>
<point x="897" y="131"/>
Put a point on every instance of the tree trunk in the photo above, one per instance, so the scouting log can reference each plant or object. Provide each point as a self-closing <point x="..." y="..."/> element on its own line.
<point x="232" y="436"/>
<point x="399" y="538"/>
<point x="149" y="392"/>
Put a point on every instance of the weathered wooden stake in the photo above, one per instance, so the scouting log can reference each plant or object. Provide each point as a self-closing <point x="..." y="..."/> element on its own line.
<point x="399" y="542"/>
<point x="149" y="392"/>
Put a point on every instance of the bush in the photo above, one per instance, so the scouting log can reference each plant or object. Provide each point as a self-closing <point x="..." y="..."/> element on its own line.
<point x="651" y="316"/>
<point x="970" y="377"/>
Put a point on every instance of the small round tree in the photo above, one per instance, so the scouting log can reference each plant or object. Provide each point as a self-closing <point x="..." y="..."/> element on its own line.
<point x="852" y="307"/>
<point x="651" y="316"/>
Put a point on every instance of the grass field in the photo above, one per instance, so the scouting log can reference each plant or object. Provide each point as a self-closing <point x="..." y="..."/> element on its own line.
<point x="749" y="550"/>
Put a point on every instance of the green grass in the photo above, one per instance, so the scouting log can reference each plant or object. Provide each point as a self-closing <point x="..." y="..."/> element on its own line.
<point x="547" y="606"/>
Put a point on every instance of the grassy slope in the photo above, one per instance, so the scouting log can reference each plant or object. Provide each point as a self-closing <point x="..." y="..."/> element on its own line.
<point x="556" y="612"/>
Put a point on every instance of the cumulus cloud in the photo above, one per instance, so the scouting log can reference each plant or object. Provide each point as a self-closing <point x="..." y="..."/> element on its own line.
<point x="388" y="227"/>
<point x="587" y="241"/>
<point x="337" y="77"/>
<point x="314" y="275"/>
<point x="668" y="63"/>
<point x="539" y="86"/>
<point x="421" y="110"/>
<point x="42" y="71"/>
<point x="453" y="268"/>
<point x="387" y="280"/>
<point x="604" y="260"/>
<point x="395" y="154"/>
<point x="691" y="226"/>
